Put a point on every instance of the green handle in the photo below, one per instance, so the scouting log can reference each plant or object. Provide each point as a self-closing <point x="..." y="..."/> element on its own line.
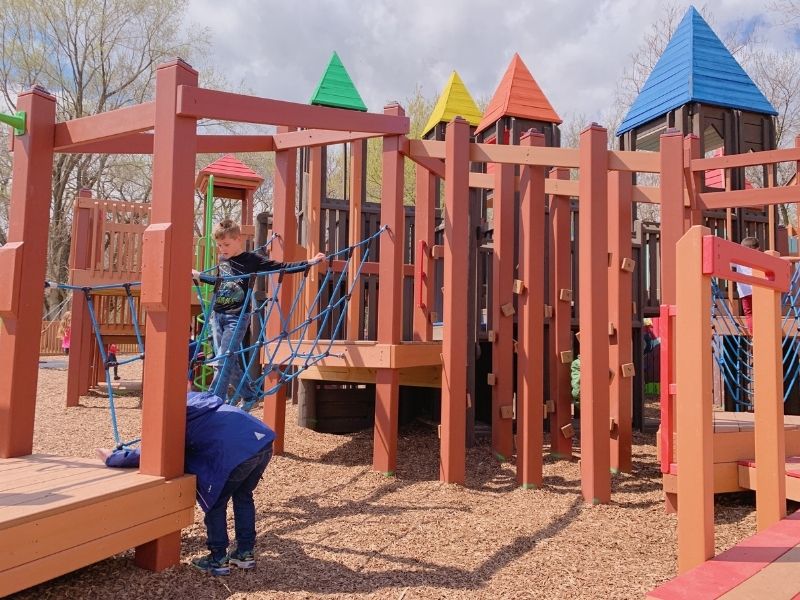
<point x="17" y="121"/>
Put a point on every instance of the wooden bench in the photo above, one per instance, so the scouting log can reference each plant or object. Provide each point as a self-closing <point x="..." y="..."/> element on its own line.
<point x="58" y="514"/>
<point x="762" y="566"/>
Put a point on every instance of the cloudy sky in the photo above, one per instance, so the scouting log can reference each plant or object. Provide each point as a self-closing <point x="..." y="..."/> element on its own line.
<point x="576" y="49"/>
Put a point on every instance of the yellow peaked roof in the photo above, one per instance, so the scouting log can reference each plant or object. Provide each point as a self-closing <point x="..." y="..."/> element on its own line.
<point x="455" y="101"/>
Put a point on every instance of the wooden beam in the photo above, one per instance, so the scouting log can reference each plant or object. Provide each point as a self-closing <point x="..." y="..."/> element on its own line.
<point x="433" y="165"/>
<point x="646" y="195"/>
<point x="633" y="161"/>
<point x="365" y="354"/>
<point x="310" y="138"/>
<point x="748" y="159"/>
<point x="355" y="308"/>
<point x="748" y="198"/>
<point x="202" y="103"/>
<point x="518" y="155"/>
<point x="430" y="376"/>
<point x="115" y="123"/>
<point x="424" y="221"/>
<point x="142" y="143"/>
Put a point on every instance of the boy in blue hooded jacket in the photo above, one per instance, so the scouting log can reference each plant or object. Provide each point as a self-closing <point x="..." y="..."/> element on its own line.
<point x="227" y="450"/>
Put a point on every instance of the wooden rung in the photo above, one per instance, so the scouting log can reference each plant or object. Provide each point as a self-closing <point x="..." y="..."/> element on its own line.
<point x="519" y="286"/>
<point x="548" y="311"/>
<point x="565" y="295"/>
<point x="437" y="251"/>
<point x="507" y="309"/>
<point x="611" y="329"/>
<point x="491" y="379"/>
<point x="628" y="265"/>
<point x="568" y="431"/>
<point x="491" y="335"/>
<point x="566" y="357"/>
<point x="507" y="411"/>
<point x="628" y="370"/>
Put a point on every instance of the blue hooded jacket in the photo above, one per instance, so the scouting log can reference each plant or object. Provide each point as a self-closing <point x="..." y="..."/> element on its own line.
<point x="219" y="437"/>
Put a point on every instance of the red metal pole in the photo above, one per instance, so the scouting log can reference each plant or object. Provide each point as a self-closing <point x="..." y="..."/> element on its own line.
<point x="284" y="224"/>
<point x="456" y="274"/>
<point x="166" y="288"/>
<point x="503" y="311"/>
<point x="530" y="324"/>
<point x="593" y="217"/>
<point x="23" y="263"/>
<point x="390" y="300"/>
<point x="561" y="322"/>
<point x="620" y="292"/>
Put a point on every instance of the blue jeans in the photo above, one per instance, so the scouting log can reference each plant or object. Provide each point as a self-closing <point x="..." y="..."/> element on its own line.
<point x="240" y="485"/>
<point x="227" y="338"/>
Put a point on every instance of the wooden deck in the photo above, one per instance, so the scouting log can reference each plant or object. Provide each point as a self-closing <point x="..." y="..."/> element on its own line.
<point x="762" y="566"/>
<point x="368" y="355"/>
<point x="58" y="514"/>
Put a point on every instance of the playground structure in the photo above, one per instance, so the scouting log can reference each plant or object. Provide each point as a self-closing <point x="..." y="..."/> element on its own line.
<point x="487" y="175"/>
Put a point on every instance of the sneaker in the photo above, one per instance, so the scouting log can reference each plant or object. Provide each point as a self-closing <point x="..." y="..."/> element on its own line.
<point x="207" y="564"/>
<point x="249" y="404"/>
<point x="243" y="560"/>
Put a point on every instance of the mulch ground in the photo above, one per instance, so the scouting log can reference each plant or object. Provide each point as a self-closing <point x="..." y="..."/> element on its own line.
<point x="329" y="527"/>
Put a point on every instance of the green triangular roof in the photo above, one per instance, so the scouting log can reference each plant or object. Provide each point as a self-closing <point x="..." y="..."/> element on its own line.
<point x="336" y="89"/>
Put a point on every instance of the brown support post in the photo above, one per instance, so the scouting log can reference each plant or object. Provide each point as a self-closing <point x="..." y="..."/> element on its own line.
<point x="503" y="311"/>
<point x="620" y="292"/>
<point x="23" y="263"/>
<point x="284" y="225"/>
<point x="80" y="351"/>
<point x="315" y="193"/>
<point x="424" y="219"/>
<point x="390" y="300"/>
<point x="354" y="306"/>
<point x="530" y="325"/>
<point x="166" y="295"/>
<point x="561" y="321"/>
<point x="456" y="274"/>
<point x="770" y="443"/>
<point x="695" y="181"/>
<point x="695" y="418"/>
<point x="672" y="228"/>
<point x="593" y="215"/>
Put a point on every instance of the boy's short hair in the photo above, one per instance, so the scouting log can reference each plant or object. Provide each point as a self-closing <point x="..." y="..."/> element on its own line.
<point x="227" y="228"/>
<point x="751" y="242"/>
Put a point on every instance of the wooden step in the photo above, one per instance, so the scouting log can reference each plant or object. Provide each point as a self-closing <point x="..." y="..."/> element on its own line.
<point x="748" y="475"/>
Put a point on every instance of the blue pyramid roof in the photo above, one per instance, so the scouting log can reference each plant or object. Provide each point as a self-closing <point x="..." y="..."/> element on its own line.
<point x="695" y="67"/>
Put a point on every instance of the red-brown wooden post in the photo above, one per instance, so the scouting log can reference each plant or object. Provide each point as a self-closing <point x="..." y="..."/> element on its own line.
<point x="593" y="217"/>
<point x="695" y="416"/>
<point x="313" y="214"/>
<point x="530" y="323"/>
<point x="390" y="300"/>
<point x="691" y="151"/>
<point x="23" y="263"/>
<point x="456" y="275"/>
<point x="503" y="311"/>
<point x="283" y="248"/>
<point x="424" y="222"/>
<point x="354" y="306"/>
<point x="561" y="322"/>
<point x="80" y="351"/>
<point x="620" y="291"/>
<point x="166" y="294"/>
<point x="770" y="442"/>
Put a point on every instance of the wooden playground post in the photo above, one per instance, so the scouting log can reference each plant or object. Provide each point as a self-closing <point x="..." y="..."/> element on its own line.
<point x="503" y="238"/>
<point x="672" y="209"/>
<point x="620" y="292"/>
<point x="23" y="262"/>
<point x="284" y="226"/>
<point x="695" y="416"/>
<point x="561" y="322"/>
<point x="390" y="299"/>
<point x="770" y="443"/>
<point x="456" y="274"/>
<point x="592" y="215"/>
<point x="313" y="214"/>
<point x="166" y="294"/>
<point x="691" y="151"/>
<point x="530" y="324"/>
<point x="424" y="221"/>
<point x="354" y="306"/>
<point x="80" y="352"/>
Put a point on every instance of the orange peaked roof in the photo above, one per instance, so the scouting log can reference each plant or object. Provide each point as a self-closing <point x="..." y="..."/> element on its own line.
<point x="518" y="95"/>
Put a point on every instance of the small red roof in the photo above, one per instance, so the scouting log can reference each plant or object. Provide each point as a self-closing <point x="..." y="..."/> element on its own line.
<point x="232" y="171"/>
<point x="716" y="177"/>
<point x="518" y="95"/>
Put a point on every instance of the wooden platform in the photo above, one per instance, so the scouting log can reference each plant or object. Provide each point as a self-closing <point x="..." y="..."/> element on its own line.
<point x="50" y="505"/>
<point x="369" y="355"/>
<point x="748" y="476"/>
<point x="764" y="566"/>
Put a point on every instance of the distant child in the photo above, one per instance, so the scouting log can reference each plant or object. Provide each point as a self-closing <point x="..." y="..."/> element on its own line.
<point x="228" y="450"/>
<point x="65" y="331"/>
<point x="229" y="304"/>
<point x="111" y="355"/>
<point x="745" y="289"/>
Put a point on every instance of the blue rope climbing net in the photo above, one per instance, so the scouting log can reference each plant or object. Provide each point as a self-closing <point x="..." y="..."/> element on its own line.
<point x="285" y="354"/>
<point x="733" y="349"/>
